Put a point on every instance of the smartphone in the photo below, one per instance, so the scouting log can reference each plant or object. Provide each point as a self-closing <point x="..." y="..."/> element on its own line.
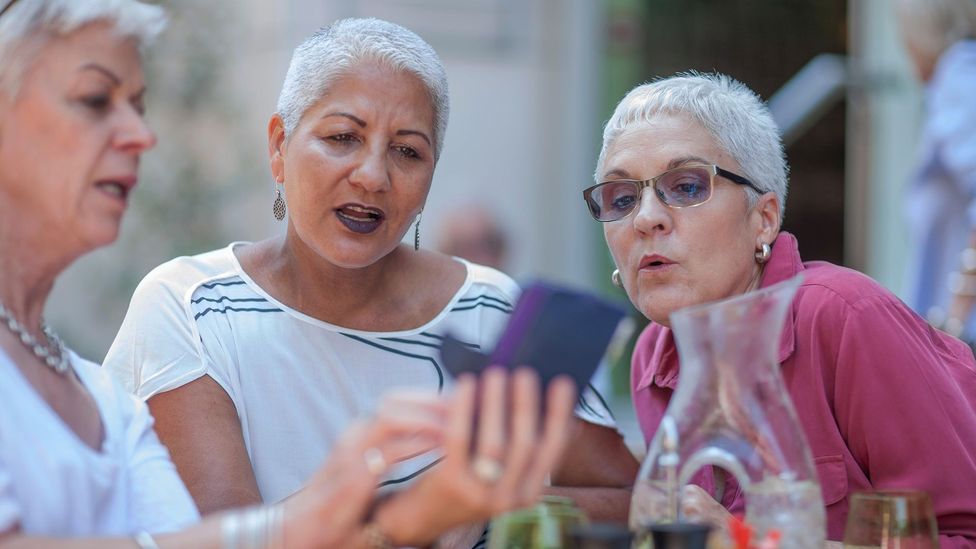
<point x="554" y="330"/>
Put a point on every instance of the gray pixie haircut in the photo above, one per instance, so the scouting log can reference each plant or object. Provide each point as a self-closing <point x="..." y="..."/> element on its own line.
<point x="333" y="50"/>
<point x="29" y="23"/>
<point x="934" y="25"/>
<point x="730" y="111"/>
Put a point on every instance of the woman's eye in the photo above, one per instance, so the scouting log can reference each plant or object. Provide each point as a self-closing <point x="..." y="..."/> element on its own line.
<point x="97" y="102"/>
<point x="689" y="187"/>
<point x="622" y="202"/>
<point x="343" y="138"/>
<point x="408" y="152"/>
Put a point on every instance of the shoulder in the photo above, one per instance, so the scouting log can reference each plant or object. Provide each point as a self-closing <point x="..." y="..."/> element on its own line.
<point x="829" y="284"/>
<point x="185" y="272"/>
<point x="842" y="308"/>
<point x="486" y="281"/>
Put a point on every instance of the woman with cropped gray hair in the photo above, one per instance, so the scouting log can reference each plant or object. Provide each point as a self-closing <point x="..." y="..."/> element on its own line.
<point x="691" y="185"/>
<point x="255" y="357"/>
<point x="78" y="455"/>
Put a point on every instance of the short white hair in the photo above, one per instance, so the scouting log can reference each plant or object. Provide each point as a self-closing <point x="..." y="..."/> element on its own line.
<point x="730" y="111"/>
<point x="29" y="23"/>
<point x="333" y="50"/>
<point x="934" y="25"/>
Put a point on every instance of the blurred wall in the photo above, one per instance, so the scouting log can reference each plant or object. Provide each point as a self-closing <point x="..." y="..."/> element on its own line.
<point x="885" y="103"/>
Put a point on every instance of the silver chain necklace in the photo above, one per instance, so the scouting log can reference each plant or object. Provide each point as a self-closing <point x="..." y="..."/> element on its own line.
<point x="52" y="355"/>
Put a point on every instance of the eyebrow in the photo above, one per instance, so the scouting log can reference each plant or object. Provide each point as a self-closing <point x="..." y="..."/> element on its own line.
<point x="362" y="124"/>
<point x="98" y="68"/>
<point x="674" y="163"/>
<point x="680" y="161"/>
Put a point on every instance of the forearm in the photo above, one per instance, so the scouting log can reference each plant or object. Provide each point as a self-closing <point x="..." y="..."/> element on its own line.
<point x="600" y="504"/>
<point x="206" y="535"/>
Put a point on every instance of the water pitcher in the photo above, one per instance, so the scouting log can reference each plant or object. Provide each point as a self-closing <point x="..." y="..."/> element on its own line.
<point x="731" y="410"/>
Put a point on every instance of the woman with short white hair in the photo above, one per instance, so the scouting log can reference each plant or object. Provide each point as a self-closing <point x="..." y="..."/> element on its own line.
<point x="692" y="180"/>
<point x="78" y="455"/>
<point x="253" y="358"/>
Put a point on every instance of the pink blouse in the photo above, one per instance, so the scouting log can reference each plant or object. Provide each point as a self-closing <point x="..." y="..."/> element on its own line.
<point x="885" y="400"/>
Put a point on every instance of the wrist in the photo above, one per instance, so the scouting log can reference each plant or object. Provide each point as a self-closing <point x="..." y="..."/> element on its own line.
<point x="400" y="523"/>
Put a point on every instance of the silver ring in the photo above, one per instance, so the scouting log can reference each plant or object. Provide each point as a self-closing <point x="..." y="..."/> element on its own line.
<point x="487" y="469"/>
<point x="375" y="462"/>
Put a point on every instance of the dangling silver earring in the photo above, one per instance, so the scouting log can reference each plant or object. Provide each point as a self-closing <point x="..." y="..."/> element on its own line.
<point x="615" y="278"/>
<point x="762" y="256"/>
<point x="279" y="204"/>
<point x="416" y="232"/>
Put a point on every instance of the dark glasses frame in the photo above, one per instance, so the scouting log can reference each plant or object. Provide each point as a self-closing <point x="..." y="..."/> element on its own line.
<point x="652" y="182"/>
<point x="7" y="7"/>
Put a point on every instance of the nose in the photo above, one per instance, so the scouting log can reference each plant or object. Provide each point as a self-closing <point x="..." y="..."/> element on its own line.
<point x="371" y="172"/>
<point x="652" y="215"/>
<point x="133" y="133"/>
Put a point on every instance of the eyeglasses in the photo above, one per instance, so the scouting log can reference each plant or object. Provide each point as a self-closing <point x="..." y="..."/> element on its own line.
<point x="7" y="7"/>
<point x="682" y="187"/>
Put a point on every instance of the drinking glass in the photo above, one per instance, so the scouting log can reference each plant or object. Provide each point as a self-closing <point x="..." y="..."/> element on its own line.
<point x="891" y="520"/>
<point x="547" y="525"/>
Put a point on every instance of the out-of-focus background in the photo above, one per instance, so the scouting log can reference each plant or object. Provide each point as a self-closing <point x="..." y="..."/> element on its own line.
<point x="532" y="81"/>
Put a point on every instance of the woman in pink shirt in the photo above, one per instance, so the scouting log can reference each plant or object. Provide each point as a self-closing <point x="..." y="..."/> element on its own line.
<point x="885" y="400"/>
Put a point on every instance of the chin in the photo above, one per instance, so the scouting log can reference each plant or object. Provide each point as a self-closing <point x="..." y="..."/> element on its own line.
<point x="103" y="235"/>
<point x="658" y="307"/>
<point x="354" y="257"/>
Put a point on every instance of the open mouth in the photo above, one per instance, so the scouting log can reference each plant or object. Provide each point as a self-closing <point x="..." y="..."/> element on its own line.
<point x="656" y="262"/>
<point x="117" y="189"/>
<point x="360" y="219"/>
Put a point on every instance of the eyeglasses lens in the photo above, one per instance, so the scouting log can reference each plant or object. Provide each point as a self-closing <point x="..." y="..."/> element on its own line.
<point x="677" y="188"/>
<point x="685" y="187"/>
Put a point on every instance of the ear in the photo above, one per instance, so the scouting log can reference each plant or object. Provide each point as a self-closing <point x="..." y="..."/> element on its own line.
<point x="766" y="218"/>
<point x="276" y="147"/>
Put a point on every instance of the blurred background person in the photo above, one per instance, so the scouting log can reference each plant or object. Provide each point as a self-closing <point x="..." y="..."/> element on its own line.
<point x="472" y="232"/>
<point x="940" y="38"/>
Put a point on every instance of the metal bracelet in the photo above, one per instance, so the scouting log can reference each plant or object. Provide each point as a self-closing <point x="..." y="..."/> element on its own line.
<point x="254" y="528"/>
<point x="145" y="541"/>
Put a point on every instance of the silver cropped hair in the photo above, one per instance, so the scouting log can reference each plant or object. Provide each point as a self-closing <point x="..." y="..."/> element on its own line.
<point x="335" y="49"/>
<point x="730" y="111"/>
<point x="29" y="20"/>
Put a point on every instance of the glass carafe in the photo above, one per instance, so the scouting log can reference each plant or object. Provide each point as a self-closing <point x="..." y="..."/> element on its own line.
<point x="731" y="410"/>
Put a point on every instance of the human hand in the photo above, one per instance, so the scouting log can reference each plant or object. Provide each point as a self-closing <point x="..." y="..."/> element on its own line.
<point x="512" y="456"/>
<point x="331" y="510"/>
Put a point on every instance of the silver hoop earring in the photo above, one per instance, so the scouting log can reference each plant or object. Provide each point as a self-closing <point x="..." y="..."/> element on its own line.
<point x="615" y="278"/>
<point x="416" y="232"/>
<point x="762" y="256"/>
<point x="279" y="205"/>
